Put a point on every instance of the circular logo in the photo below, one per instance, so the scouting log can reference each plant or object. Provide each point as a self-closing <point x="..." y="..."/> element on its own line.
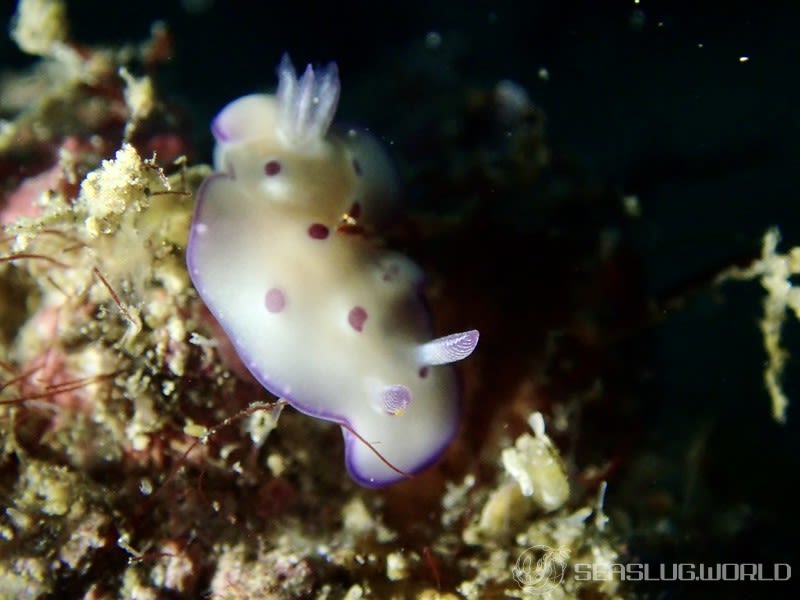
<point x="540" y="568"/>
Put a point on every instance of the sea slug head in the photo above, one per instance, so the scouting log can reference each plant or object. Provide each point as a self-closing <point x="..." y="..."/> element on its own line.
<point x="299" y="114"/>
<point x="282" y="145"/>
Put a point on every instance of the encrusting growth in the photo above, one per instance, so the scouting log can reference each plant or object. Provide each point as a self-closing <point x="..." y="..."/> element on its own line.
<point x="775" y="272"/>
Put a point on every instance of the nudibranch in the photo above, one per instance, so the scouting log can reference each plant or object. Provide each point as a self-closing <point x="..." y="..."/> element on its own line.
<point x="282" y="251"/>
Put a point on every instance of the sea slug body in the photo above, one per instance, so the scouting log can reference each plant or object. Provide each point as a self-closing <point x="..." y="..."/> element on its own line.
<point x="321" y="314"/>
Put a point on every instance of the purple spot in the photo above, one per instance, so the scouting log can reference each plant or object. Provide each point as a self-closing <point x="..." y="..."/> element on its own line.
<point x="273" y="167"/>
<point x="357" y="167"/>
<point x="275" y="300"/>
<point x="356" y="318"/>
<point x="318" y="231"/>
<point x="355" y="210"/>
<point x="396" y="399"/>
<point x="423" y="372"/>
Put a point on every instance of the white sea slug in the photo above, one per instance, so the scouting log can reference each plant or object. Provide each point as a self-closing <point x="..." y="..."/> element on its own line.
<point x="280" y="250"/>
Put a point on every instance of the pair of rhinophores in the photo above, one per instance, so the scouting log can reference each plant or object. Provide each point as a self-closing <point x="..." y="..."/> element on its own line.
<point x="320" y="313"/>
